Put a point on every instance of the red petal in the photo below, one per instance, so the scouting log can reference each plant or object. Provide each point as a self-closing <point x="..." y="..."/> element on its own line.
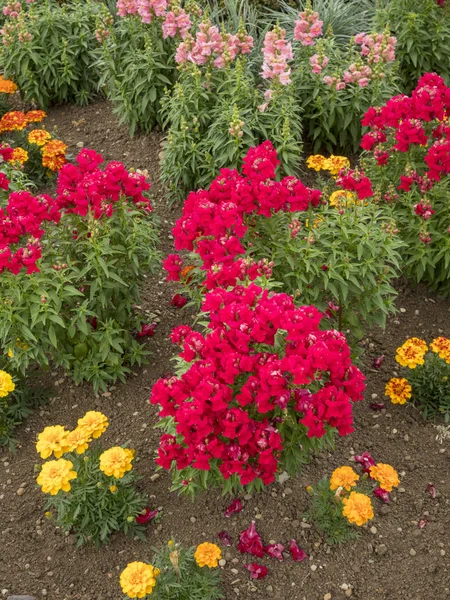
<point x="422" y="523"/>
<point x="147" y="330"/>
<point x="257" y="571"/>
<point x="378" y="362"/>
<point x="250" y="542"/>
<point x="235" y="507"/>
<point x="377" y="405"/>
<point x="431" y="489"/>
<point x="275" y="550"/>
<point x="296" y="552"/>
<point x="225" y="538"/>
<point x="146" y="516"/>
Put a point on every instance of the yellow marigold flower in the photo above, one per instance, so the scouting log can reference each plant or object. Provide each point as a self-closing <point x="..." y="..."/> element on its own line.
<point x="54" y="155"/>
<point x="386" y="476"/>
<point x="411" y="353"/>
<point x="7" y="86"/>
<point x="344" y="477"/>
<point x="54" y="147"/>
<point x="6" y="384"/>
<point x="56" y="475"/>
<point x="12" y="121"/>
<point x="316" y="162"/>
<point x="35" y="116"/>
<point x="357" y="508"/>
<point x="207" y="555"/>
<point x="341" y="198"/>
<point x="52" y="441"/>
<point x="138" y="579"/>
<point x="95" y="423"/>
<point x="113" y="489"/>
<point x="39" y="137"/>
<point x="335" y="163"/>
<point x="77" y="440"/>
<point x="398" y="390"/>
<point x="19" y="155"/>
<point x="441" y="346"/>
<point x="116" y="461"/>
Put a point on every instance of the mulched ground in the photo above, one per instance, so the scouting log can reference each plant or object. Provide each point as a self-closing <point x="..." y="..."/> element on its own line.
<point x="392" y="560"/>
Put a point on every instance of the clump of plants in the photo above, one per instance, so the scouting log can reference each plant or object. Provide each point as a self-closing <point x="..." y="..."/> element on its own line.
<point x="334" y="249"/>
<point x="408" y="161"/>
<point x="176" y="573"/>
<point x="428" y="380"/>
<point x="49" y="50"/>
<point x="33" y="149"/>
<point x="422" y="28"/>
<point x="72" y="268"/>
<point x="91" y="490"/>
<point x="260" y="391"/>
<point x="341" y="502"/>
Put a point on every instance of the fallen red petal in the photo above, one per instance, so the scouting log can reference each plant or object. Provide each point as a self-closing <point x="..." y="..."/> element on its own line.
<point x="297" y="553"/>
<point x="235" y="507"/>
<point x="250" y="542"/>
<point x="257" y="571"/>
<point x="378" y="362"/>
<point x="225" y="538"/>
<point x="275" y="550"/>
<point x="178" y="300"/>
<point x="431" y="489"/>
<point x="377" y="405"/>
<point x="147" y="330"/>
<point x="146" y="516"/>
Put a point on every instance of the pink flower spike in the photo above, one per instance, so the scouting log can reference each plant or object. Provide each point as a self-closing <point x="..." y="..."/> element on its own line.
<point x="431" y="489"/>
<point x="366" y="460"/>
<point x="250" y="542"/>
<point x="378" y="362"/>
<point x="147" y="330"/>
<point x="422" y="523"/>
<point x="275" y="550"/>
<point x="178" y="300"/>
<point x="257" y="571"/>
<point x="225" y="538"/>
<point x="146" y="516"/>
<point x="382" y="494"/>
<point x="235" y="507"/>
<point x="296" y="552"/>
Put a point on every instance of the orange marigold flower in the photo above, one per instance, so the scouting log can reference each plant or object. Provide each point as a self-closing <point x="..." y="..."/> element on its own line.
<point x="54" y="163"/>
<point x="53" y="154"/>
<point x="398" y="390"/>
<point x="13" y="121"/>
<point x="357" y="508"/>
<point x="441" y="346"/>
<point x="35" y="116"/>
<point x="39" y="137"/>
<point x="335" y="163"/>
<point x="411" y="353"/>
<point x="19" y="155"/>
<point x="7" y="86"/>
<point x="386" y="476"/>
<point x="207" y="555"/>
<point x="316" y="162"/>
<point x="344" y="477"/>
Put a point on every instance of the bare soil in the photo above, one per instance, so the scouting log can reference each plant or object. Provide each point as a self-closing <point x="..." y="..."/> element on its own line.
<point x="392" y="560"/>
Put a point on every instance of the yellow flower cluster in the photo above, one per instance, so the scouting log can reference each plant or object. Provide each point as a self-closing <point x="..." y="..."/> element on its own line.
<point x="357" y="508"/>
<point x="343" y="477"/>
<point x="19" y="155"/>
<point x="207" y="555"/>
<point x="398" y="390"/>
<point x="441" y="346"/>
<point x="333" y="164"/>
<point x="386" y="476"/>
<point x="6" y="384"/>
<point x="116" y="461"/>
<point x="138" y="579"/>
<point x="39" y="137"/>
<point x="7" y="86"/>
<point x="411" y="353"/>
<point x="342" y="199"/>
<point x="56" y="475"/>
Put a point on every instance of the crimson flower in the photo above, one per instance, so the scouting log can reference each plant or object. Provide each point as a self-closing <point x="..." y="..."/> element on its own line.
<point x="275" y="550"/>
<point x="257" y="571"/>
<point x="378" y="362"/>
<point x="250" y="542"/>
<point x="296" y="552"/>
<point x="147" y="330"/>
<point x="225" y="538"/>
<point x="146" y="516"/>
<point x="382" y="494"/>
<point x="366" y="460"/>
<point x="178" y="300"/>
<point x="235" y="507"/>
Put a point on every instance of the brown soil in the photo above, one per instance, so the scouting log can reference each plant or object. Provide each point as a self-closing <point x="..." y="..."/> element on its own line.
<point x="395" y="560"/>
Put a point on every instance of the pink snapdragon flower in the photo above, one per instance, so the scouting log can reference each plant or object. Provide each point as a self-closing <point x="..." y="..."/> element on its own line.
<point x="126" y="7"/>
<point x="334" y="82"/>
<point x="176" y="21"/>
<point x="358" y="73"/>
<point x="147" y="9"/>
<point x="277" y="52"/>
<point x="308" y="27"/>
<point x="377" y="47"/>
<point x="318" y="63"/>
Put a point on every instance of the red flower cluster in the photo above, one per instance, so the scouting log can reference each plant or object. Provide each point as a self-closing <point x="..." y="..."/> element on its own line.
<point x="22" y="218"/>
<point x="215" y="221"/>
<point x="229" y="403"/>
<point x="83" y="187"/>
<point x="355" y="181"/>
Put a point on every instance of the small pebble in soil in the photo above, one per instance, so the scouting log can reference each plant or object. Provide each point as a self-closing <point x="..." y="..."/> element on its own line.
<point x="313" y="568"/>
<point x="20" y="492"/>
<point x="222" y="562"/>
<point x="348" y="592"/>
<point x="373" y="530"/>
<point x="381" y="549"/>
<point x="412" y="552"/>
<point x="327" y="596"/>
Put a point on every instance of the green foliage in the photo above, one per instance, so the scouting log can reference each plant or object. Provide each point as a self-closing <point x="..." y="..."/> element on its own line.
<point x="137" y="66"/>
<point x="431" y="387"/>
<point x="57" y="63"/>
<point x="90" y="509"/>
<point x="202" y="109"/>
<point x="422" y="28"/>
<point x="348" y="257"/>
<point x="78" y="311"/>
<point x="326" y="514"/>
<point x="181" y="578"/>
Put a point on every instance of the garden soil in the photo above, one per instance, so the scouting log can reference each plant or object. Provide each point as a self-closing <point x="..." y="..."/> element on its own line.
<point x="393" y="559"/>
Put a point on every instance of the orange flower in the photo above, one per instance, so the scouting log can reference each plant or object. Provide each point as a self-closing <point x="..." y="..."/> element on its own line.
<point x="411" y="353"/>
<point x="53" y="155"/>
<point x="344" y="477"/>
<point x="386" y="476"/>
<point x="441" y="346"/>
<point x="13" y="121"/>
<point x="19" y="155"/>
<point x="39" y="137"/>
<point x="7" y="86"/>
<point x="35" y="116"/>
<point x="398" y="390"/>
<point x="357" y="508"/>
